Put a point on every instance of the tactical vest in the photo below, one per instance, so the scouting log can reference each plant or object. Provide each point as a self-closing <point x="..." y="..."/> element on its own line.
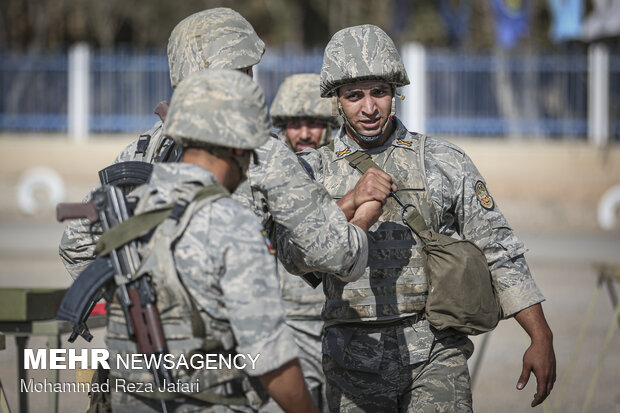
<point x="188" y="331"/>
<point x="394" y="284"/>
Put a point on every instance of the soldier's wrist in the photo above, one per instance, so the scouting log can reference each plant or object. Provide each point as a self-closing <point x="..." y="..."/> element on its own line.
<point x="347" y="205"/>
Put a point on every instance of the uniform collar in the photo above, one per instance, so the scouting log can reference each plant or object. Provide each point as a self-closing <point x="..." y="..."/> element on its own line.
<point x="400" y="137"/>
<point x="180" y="173"/>
<point x="171" y="181"/>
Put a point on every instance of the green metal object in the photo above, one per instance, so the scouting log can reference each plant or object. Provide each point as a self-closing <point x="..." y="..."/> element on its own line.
<point x="29" y="304"/>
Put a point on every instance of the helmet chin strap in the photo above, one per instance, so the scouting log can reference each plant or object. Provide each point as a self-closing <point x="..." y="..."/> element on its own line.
<point x="368" y="139"/>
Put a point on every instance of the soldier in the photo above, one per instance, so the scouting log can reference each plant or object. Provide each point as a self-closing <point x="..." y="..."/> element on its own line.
<point x="277" y="189"/>
<point x="379" y="351"/>
<point x="215" y="276"/>
<point x="304" y="118"/>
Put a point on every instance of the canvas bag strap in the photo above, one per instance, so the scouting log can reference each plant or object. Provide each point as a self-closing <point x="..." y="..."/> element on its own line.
<point x="362" y="162"/>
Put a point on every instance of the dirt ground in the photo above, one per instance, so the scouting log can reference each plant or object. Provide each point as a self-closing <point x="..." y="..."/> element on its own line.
<point x="548" y="191"/>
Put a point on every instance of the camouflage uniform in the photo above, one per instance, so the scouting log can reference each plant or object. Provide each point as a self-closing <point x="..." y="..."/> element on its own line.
<point x="214" y="273"/>
<point x="278" y="190"/>
<point x="380" y="354"/>
<point x="215" y="38"/>
<point x="223" y="261"/>
<point x="298" y="97"/>
<point x="302" y="306"/>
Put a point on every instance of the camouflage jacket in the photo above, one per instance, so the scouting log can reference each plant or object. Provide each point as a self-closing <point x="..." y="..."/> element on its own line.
<point x="217" y="289"/>
<point x="451" y="205"/>
<point x="461" y="205"/>
<point x="279" y="192"/>
<point x="226" y="265"/>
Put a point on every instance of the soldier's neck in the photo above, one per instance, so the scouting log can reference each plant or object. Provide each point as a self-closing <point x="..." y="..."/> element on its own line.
<point x="219" y="167"/>
<point x="366" y="145"/>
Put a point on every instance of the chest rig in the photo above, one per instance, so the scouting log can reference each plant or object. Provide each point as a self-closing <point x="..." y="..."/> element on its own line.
<point x="394" y="284"/>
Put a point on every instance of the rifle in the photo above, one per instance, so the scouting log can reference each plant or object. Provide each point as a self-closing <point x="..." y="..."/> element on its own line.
<point x="114" y="272"/>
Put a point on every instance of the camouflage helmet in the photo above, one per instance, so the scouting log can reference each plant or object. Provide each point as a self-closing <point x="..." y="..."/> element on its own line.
<point x="218" y="107"/>
<point x="361" y="53"/>
<point x="217" y="38"/>
<point x="299" y="97"/>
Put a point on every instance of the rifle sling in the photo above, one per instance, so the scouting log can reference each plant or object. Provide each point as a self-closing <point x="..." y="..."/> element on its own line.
<point x="138" y="225"/>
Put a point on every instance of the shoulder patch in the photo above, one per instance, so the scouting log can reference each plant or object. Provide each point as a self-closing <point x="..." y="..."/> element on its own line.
<point x="483" y="196"/>
<point x="345" y="151"/>
<point x="270" y="248"/>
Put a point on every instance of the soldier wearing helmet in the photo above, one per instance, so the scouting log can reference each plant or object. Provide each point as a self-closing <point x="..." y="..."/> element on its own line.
<point x="379" y="351"/>
<point x="219" y="117"/>
<point x="222" y="38"/>
<point x="317" y="233"/>
<point x="304" y="118"/>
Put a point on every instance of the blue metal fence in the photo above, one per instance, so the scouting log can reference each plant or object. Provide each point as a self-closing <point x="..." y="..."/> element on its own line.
<point x="125" y="88"/>
<point x="487" y="95"/>
<point x="473" y="95"/>
<point x="280" y="63"/>
<point x="33" y="91"/>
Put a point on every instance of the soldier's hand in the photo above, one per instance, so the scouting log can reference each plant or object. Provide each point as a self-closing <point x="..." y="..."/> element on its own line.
<point x="367" y="214"/>
<point x="374" y="185"/>
<point x="539" y="359"/>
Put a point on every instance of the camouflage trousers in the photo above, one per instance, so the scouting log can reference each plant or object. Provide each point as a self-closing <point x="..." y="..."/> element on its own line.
<point x="439" y="384"/>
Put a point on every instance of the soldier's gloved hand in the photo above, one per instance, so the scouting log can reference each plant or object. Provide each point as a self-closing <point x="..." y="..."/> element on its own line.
<point x="374" y="185"/>
<point x="367" y="214"/>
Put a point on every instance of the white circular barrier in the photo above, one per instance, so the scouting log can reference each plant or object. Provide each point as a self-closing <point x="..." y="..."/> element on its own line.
<point x="33" y="183"/>
<point x="608" y="207"/>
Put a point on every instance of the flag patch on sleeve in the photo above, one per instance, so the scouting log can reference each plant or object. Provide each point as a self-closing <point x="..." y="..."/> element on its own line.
<point x="268" y="242"/>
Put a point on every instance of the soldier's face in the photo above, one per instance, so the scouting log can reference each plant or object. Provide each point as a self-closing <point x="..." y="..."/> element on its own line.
<point x="366" y="105"/>
<point x="304" y="133"/>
